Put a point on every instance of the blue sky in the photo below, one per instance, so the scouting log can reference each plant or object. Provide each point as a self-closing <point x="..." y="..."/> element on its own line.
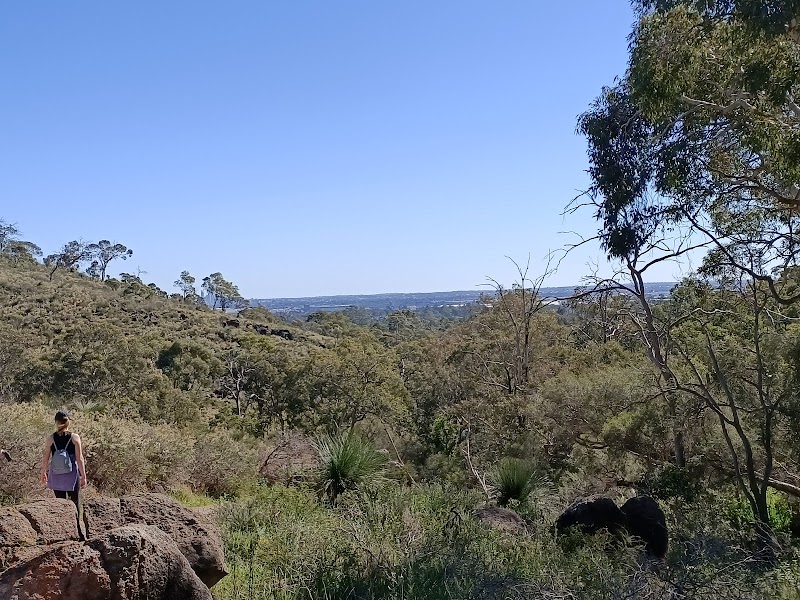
<point x="307" y="147"/>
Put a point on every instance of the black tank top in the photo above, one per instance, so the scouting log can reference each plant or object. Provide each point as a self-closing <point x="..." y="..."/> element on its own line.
<point x="61" y="441"/>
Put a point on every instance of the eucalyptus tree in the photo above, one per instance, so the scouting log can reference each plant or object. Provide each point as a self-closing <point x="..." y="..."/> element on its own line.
<point x="16" y="249"/>
<point x="103" y="252"/>
<point x="224" y="293"/>
<point x="71" y="255"/>
<point x="697" y="147"/>
<point x="703" y="132"/>
<point x="185" y="283"/>
<point x="9" y="233"/>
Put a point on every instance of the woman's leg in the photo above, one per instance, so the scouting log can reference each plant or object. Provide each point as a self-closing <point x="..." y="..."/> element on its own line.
<point x="60" y="494"/>
<point x="74" y="495"/>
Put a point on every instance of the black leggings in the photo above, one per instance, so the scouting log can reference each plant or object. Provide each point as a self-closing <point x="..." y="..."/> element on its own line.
<point x="74" y="495"/>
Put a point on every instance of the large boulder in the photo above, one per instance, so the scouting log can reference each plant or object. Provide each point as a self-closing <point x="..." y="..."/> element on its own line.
<point x="645" y="520"/>
<point x="38" y="523"/>
<point x="53" y="520"/>
<point x="144" y="562"/>
<point x="641" y="517"/>
<point x="590" y="515"/>
<point x="127" y="563"/>
<point x="200" y="543"/>
<point x="101" y="514"/>
<point x="63" y="571"/>
<point x="41" y="557"/>
<point x="15" y="529"/>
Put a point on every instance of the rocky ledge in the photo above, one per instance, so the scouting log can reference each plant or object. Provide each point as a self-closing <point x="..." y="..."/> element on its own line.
<point x="147" y="546"/>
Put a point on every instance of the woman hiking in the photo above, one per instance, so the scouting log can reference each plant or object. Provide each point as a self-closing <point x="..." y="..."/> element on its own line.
<point x="63" y="468"/>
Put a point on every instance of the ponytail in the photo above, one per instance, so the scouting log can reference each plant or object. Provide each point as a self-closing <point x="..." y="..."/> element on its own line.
<point x="62" y="426"/>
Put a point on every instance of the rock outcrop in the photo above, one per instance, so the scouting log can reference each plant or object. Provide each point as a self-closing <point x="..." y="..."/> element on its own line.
<point x="645" y="520"/>
<point x="641" y="517"/>
<point x="100" y="514"/>
<point x="139" y="547"/>
<point x="199" y="543"/>
<point x="503" y="519"/>
<point x="590" y="515"/>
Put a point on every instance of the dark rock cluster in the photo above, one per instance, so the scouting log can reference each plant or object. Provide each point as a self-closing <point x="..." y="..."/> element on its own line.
<point x="641" y="517"/>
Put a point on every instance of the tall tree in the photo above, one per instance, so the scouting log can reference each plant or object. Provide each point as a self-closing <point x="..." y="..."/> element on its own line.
<point x="9" y="233"/>
<point x="103" y="252"/>
<point x="16" y="249"/>
<point x="700" y="140"/>
<point x="703" y="132"/>
<point x="225" y="294"/>
<point x="21" y="252"/>
<point x="185" y="283"/>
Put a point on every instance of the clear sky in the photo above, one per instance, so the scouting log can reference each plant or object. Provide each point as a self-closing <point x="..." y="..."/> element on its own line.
<point x="306" y="147"/>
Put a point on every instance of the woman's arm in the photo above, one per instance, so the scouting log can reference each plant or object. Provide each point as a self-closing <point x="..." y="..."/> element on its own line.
<point x="46" y="458"/>
<point x="76" y="440"/>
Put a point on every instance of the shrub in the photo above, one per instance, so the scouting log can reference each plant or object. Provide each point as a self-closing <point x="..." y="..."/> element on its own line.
<point x="515" y="479"/>
<point x="23" y="428"/>
<point x="672" y="482"/>
<point x="221" y="464"/>
<point x="347" y="462"/>
<point x="124" y="456"/>
<point x="421" y="542"/>
<point x="737" y="510"/>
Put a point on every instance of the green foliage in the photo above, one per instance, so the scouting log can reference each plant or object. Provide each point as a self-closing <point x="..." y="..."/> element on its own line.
<point x="103" y="252"/>
<point x="169" y="395"/>
<point x="516" y="479"/>
<point x="125" y="456"/>
<point x="347" y="462"/>
<point x="671" y="482"/>
<point x="740" y="515"/>
<point x="424" y="543"/>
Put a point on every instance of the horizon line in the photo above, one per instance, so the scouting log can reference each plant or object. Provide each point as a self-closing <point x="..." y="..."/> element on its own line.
<point x="423" y="293"/>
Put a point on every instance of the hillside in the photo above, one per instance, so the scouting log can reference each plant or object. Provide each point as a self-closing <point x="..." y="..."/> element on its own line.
<point x="325" y="441"/>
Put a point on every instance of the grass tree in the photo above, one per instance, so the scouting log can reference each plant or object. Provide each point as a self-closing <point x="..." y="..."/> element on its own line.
<point x="347" y="462"/>
<point x="515" y="479"/>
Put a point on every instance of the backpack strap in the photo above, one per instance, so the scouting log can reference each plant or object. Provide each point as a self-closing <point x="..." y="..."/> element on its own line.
<point x="66" y="443"/>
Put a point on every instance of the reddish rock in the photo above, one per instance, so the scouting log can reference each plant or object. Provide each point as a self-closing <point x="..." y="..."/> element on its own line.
<point x="130" y="562"/>
<point x="15" y="529"/>
<point x="53" y="520"/>
<point x="199" y="542"/>
<point x="144" y="562"/>
<point x="65" y="571"/>
<point x="100" y="514"/>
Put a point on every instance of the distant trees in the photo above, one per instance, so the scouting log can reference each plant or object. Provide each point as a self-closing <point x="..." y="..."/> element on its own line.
<point x="9" y="233"/>
<point x="224" y="294"/>
<point x="71" y="255"/>
<point x="185" y="283"/>
<point x="76" y="252"/>
<point x="15" y="249"/>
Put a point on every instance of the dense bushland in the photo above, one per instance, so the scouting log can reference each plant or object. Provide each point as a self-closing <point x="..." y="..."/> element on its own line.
<point x="408" y="432"/>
